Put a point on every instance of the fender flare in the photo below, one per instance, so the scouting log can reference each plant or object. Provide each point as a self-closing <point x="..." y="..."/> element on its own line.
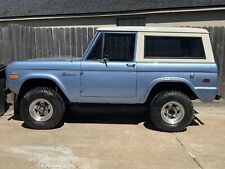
<point x="47" y="77"/>
<point x="169" y="80"/>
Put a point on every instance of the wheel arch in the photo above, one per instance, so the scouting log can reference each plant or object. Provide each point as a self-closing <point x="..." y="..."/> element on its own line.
<point x="31" y="83"/>
<point x="181" y="86"/>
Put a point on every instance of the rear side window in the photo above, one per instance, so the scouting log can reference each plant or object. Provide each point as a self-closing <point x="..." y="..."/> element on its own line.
<point x="173" y="47"/>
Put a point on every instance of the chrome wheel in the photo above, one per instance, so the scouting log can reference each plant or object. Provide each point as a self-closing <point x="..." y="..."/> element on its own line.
<point x="41" y="110"/>
<point x="172" y="112"/>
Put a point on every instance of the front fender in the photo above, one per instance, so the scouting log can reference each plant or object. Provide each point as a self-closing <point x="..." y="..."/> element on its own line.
<point x="15" y="85"/>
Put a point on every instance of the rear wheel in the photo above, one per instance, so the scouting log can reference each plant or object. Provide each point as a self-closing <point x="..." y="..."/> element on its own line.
<point x="171" y="111"/>
<point x="42" y="108"/>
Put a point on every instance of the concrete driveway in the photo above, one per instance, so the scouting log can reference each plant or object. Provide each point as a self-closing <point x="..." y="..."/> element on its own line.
<point x="95" y="137"/>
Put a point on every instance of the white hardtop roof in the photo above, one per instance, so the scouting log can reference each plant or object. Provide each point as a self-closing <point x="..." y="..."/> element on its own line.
<point x="154" y="29"/>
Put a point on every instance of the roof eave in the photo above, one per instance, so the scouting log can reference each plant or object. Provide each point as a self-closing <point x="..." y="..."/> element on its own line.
<point x="111" y="14"/>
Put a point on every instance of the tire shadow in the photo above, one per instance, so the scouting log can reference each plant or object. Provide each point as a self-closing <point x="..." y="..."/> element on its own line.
<point x="196" y="121"/>
<point x="26" y="127"/>
<point x="115" y="114"/>
<point x="106" y="114"/>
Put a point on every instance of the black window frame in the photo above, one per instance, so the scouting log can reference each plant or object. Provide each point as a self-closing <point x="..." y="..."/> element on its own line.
<point x="163" y="57"/>
<point x="103" y="45"/>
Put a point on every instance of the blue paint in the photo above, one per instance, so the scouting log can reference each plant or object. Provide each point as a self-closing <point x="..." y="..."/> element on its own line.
<point x="94" y="82"/>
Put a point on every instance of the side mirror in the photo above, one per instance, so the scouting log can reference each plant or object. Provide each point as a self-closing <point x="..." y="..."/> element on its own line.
<point x="104" y="60"/>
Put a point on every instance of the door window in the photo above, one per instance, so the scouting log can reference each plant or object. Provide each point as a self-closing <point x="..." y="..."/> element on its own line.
<point x="119" y="47"/>
<point x="113" y="47"/>
<point x="96" y="52"/>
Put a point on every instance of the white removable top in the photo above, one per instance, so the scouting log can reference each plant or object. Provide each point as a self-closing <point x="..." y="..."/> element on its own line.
<point x="154" y="29"/>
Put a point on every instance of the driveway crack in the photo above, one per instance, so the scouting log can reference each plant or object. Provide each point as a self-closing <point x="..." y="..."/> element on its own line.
<point x="194" y="158"/>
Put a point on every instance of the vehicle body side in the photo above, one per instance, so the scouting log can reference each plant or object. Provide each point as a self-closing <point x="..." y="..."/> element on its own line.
<point x="84" y="81"/>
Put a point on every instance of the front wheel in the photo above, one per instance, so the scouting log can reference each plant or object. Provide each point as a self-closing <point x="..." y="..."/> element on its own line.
<point x="42" y="108"/>
<point x="171" y="111"/>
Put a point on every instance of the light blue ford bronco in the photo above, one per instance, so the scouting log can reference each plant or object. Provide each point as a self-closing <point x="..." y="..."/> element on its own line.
<point x="164" y="68"/>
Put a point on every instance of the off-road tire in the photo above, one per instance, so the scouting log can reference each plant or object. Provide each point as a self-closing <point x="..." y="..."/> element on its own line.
<point x="3" y="102"/>
<point x="160" y="100"/>
<point x="42" y="93"/>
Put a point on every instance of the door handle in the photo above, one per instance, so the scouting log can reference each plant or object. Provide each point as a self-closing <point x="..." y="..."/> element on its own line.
<point x="130" y="65"/>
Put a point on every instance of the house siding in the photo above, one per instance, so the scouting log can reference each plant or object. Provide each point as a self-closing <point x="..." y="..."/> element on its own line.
<point x="195" y="19"/>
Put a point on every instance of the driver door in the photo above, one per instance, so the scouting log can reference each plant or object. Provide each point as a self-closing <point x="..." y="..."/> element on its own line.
<point x="109" y="71"/>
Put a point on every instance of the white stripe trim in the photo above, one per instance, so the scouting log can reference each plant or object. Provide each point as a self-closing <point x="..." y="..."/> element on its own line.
<point x="205" y="88"/>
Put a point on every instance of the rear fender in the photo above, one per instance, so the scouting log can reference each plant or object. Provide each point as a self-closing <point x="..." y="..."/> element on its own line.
<point x="169" y="80"/>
